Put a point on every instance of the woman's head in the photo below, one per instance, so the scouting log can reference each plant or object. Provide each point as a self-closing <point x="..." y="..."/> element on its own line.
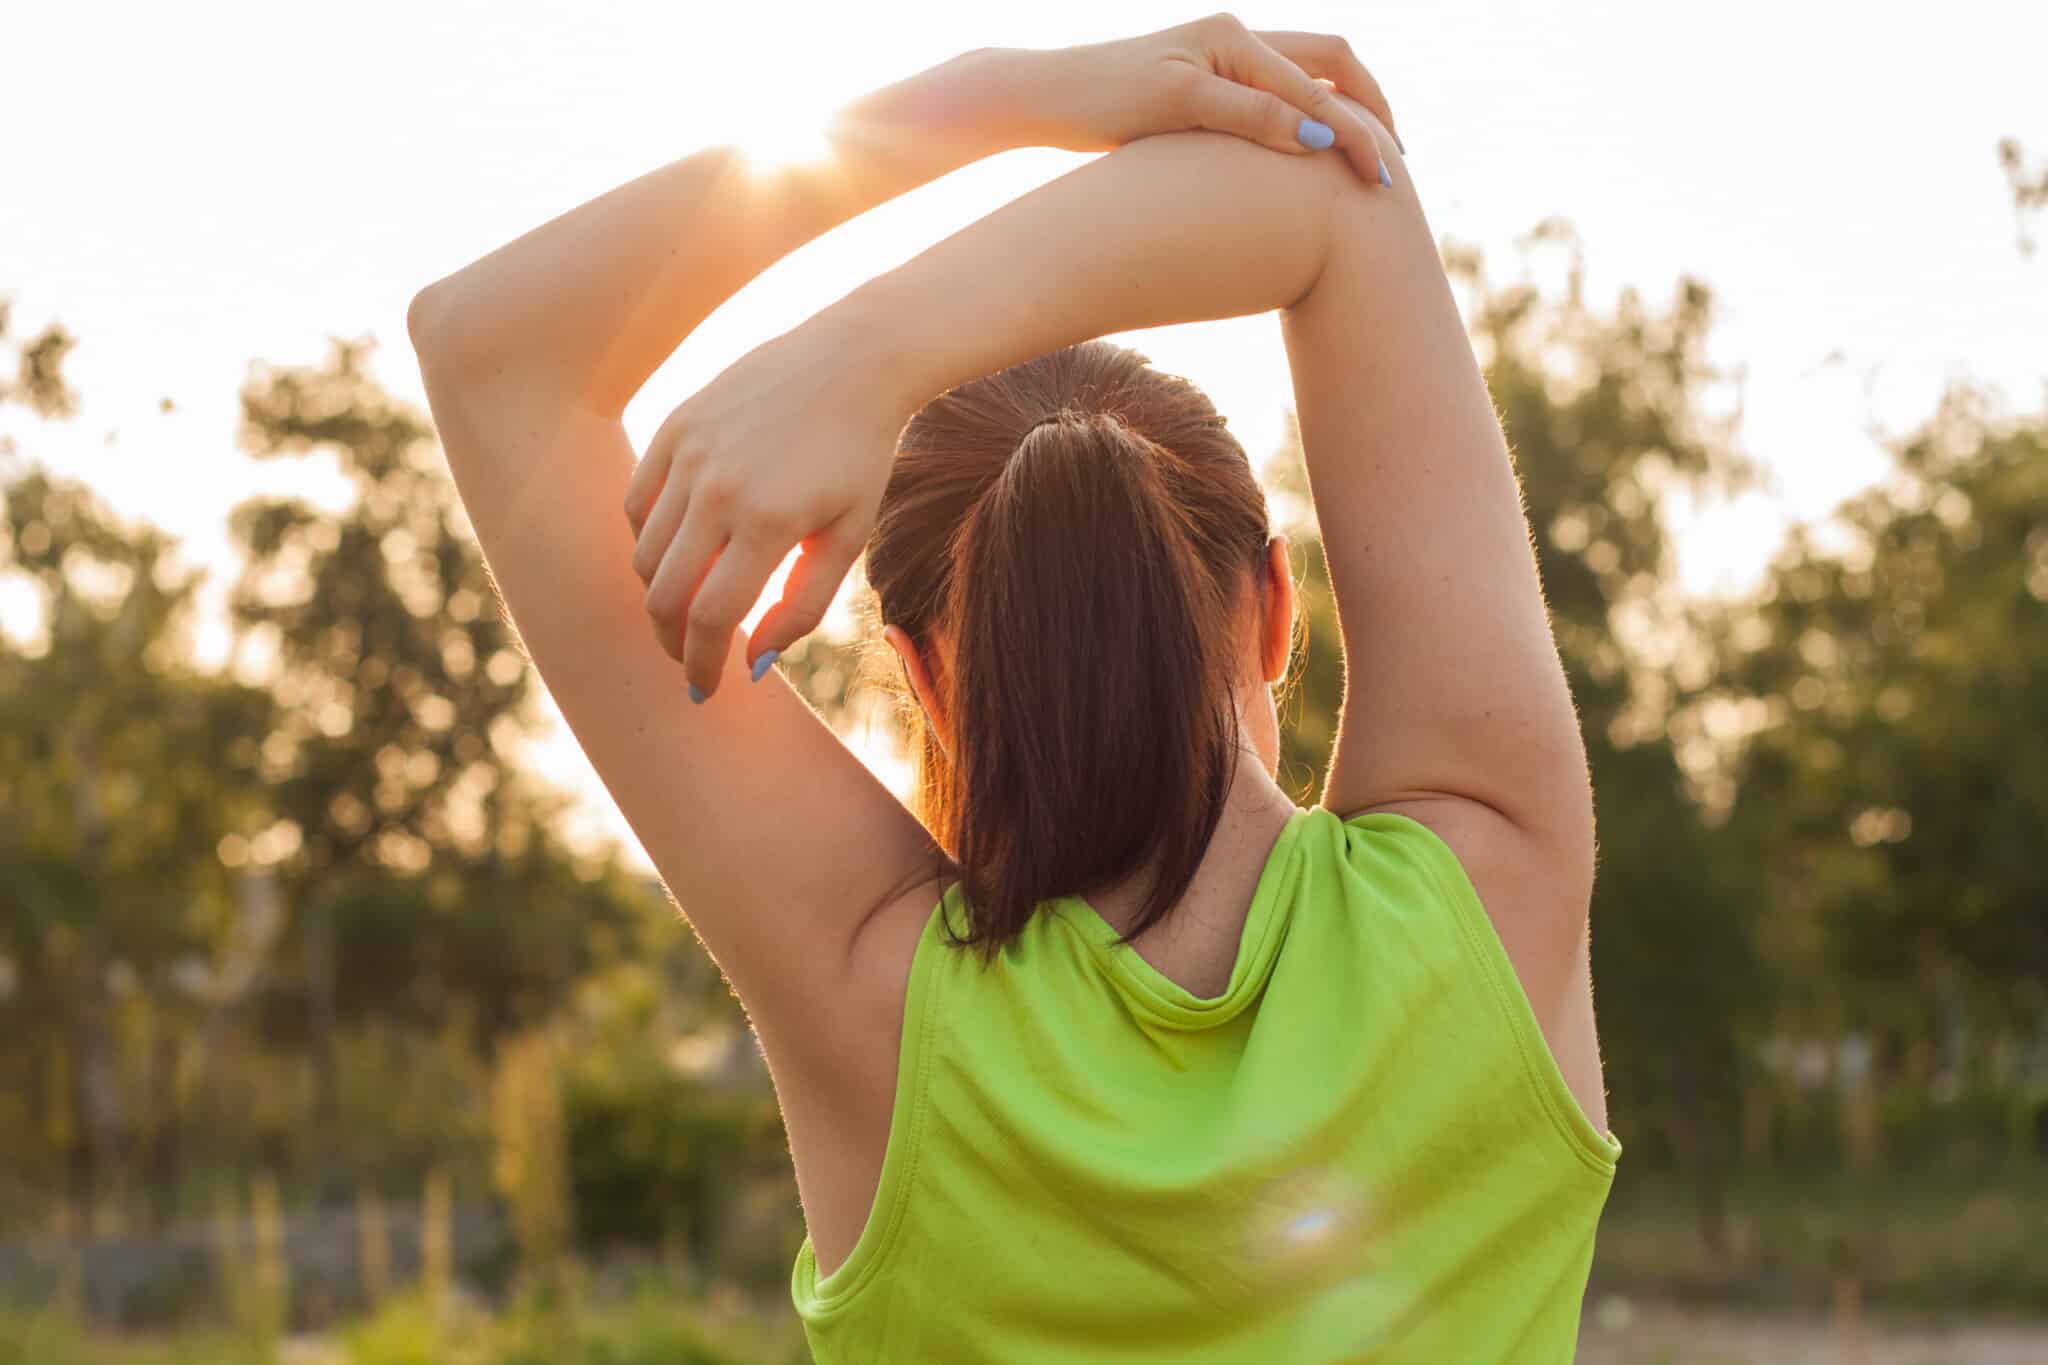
<point x="1073" y="560"/>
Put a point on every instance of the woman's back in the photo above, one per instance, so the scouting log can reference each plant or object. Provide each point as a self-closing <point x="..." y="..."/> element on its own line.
<point x="1360" y="1148"/>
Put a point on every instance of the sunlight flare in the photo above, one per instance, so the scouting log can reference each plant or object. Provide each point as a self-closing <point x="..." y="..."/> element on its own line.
<point x="784" y="138"/>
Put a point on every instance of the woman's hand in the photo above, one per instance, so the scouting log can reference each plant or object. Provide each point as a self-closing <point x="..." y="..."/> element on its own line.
<point x="789" y="446"/>
<point x="1211" y="73"/>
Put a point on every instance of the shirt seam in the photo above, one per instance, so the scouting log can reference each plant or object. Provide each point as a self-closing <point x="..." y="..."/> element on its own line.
<point x="825" y="1304"/>
<point x="1600" y="1161"/>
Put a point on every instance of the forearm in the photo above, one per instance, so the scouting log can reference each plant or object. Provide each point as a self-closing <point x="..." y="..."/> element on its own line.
<point x="1421" y="517"/>
<point x="1176" y="228"/>
<point x="595" y="300"/>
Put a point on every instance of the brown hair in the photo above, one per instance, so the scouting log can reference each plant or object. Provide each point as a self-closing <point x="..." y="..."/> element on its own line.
<point x="1078" y="529"/>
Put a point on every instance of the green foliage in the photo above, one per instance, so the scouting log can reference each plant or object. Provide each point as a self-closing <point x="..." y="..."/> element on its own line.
<point x="51" y="1338"/>
<point x="118" y="763"/>
<point x="406" y="1331"/>
<point x="1933" y="1244"/>
<point x="1899" y="805"/>
<point x="657" y="1158"/>
<point x="404" y="682"/>
<point x="2029" y="189"/>
<point x="658" y="1325"/>
<point x="647" y="1331"/>
<point x="285" y="908"/>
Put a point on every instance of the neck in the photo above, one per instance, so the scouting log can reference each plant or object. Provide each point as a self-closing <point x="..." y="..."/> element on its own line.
<point x="1255" y="810"/>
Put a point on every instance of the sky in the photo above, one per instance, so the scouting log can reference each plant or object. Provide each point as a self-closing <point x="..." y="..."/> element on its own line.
<point x="190" y="189"/>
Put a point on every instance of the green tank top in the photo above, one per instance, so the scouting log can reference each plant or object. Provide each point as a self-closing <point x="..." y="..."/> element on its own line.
<point x="1361" y="1151"/>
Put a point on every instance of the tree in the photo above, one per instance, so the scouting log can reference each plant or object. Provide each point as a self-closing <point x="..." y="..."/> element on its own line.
<point x="122" y="770"/>
<point x="2029" y="189"/>
<point x="427" y="881"/>
<point x="1890" y="669"/>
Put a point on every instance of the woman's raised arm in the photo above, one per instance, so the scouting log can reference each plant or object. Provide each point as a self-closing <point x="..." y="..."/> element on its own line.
<point x="774" y="839"/>
<point x="1456" y="710"/>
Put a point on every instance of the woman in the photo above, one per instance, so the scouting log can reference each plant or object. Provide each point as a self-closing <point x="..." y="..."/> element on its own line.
<point x="1109" y="1052"/>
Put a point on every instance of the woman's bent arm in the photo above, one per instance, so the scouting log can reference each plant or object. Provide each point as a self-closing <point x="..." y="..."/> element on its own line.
<point x="774" y="838"/>
<point x="1456" y="710"/>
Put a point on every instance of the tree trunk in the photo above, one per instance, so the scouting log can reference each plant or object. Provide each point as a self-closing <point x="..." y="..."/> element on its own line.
<point x="1694" y="1150"/>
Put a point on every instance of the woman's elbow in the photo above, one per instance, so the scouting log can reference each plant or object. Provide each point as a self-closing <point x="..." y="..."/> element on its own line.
<point x="427" y="320"/>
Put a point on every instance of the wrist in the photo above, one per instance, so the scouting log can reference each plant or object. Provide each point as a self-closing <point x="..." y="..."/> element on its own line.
<point x="876" y="322"/>
<point x="1013" y="86"/>
<point x="967" y="107"/>
<point x="991" y="99"/>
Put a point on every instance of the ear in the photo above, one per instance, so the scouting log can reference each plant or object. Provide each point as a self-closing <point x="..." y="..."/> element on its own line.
<point x="920" y="679"/>
<point x="1276" y="624"/>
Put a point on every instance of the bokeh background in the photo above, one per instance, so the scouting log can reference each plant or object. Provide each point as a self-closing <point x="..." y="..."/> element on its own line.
<point x="341" y="1019"/>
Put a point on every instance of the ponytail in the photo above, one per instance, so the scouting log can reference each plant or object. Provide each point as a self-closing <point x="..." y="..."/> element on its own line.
<point x="1077" y="531"/>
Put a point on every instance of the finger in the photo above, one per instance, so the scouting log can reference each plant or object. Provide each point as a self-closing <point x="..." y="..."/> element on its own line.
<point x="1253" y="62"/>
<point x="649" y="477"/>
<point x="659" y="526"/>
<point x="721" y="602"/>
<point x="806" y="594"/>
<point x="1224" y="105"/>
<point x="1329" y="56"/>
<point x="683" y="566"/>
<point x="651" y="474"/>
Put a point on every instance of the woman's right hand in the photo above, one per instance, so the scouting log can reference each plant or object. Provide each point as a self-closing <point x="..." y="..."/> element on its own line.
<point x="1210" y="73"/>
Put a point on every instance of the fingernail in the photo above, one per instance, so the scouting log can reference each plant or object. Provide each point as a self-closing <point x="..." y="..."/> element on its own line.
<point x="1315" y="136"/>
<point x="1402" y="145"/>
<point x="696" y="694"/>
<point x="761" y="665"/>
<point x="1385" y="179"/>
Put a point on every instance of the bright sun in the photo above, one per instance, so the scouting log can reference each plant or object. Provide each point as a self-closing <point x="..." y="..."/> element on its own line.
<point x="784" y="137"/>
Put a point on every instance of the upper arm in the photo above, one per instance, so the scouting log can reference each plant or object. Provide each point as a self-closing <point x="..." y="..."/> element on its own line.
<point x="1455" y="710"/>
<point x="772" y="837"/>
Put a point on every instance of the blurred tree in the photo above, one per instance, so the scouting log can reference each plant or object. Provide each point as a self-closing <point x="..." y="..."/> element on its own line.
<point x="2029" y="189"/>
<point x="122" y="770"/>
<point x="1889" y="785"/>
<point x="427" y="880"/>
<point x="663" y="1155"/>
<point x="39" y="382"/>
<point x="1886" y="666"/>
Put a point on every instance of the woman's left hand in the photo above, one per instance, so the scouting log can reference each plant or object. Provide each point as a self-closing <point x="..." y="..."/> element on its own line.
<point x="715" y="518"/>
<point x="1211" y="73"/>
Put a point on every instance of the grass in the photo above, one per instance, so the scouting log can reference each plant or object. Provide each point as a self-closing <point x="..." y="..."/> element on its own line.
<point x="649" y="1326"/>
<point x="1918" y="1245"/>
<point x="55" y="1338"/>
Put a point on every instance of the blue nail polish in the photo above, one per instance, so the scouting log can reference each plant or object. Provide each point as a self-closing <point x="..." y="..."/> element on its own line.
<point x="1315" y="136"/>
<point x="1402" y="145"/>
<point x="762" y="664"/>
<point x="1385" y="179"/>
<point x="696" y="694"/>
